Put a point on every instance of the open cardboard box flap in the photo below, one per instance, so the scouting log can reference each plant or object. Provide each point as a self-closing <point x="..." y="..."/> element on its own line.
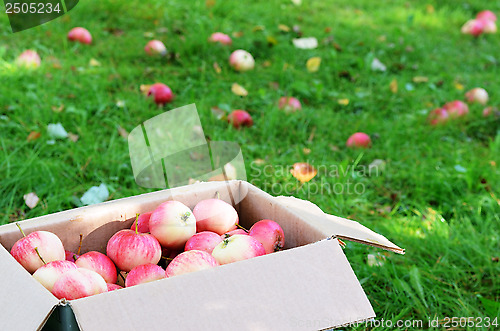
<point x="311" y="286"/>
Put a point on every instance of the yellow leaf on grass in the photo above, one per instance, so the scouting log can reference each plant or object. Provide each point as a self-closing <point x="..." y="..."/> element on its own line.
<point x="283" y="27"/>
<point x="313" y="64"/>
<point x="394" y="86"/>
<point x="209" y="3"/>
<point x="217" y="68"/>
<point x="94" y="63"/>
<point x="258" y="28"/>
<point x="458" y="86"/>
<point x="420" y="79"/>
<point x="304" y="172"/>
<point x="271" y="40"/>
<point x="145" y="89"/>
<point x="33" y="136"/>
<point x="343" y="102"/>
<point x="239" y="90"/>
<point x="430" y="9"/>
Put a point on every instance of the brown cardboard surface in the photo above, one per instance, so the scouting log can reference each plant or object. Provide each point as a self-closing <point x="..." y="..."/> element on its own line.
<point x="334" y="225"/>
<point x="25" y="303"/>
<point x="306" y="288"/>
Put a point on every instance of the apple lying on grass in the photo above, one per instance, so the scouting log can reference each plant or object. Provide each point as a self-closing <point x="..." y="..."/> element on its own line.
<point x="237" y="248"/>
<point x="473" y="27"/>
<point x="241" y="60"/>
<point x="477" y="95"/>
<point x="215" y="215"/>
<point x="456" y="108"/>
<point x="219" y="37"/>
<point x="155" y="47"/>
<point x="80" y="35"/>
<point x="49" y="273"/>
<point x="161" y="93"/>
<point x="29" y="59"/>
<point x="486" y="15"/>
<point x="37" y="248"/>
<point x="99" y="263"/>
<point x="239" y="118"/>
<point x="438" y="116"/>
<point x="359" y="140"/>
<point x="269" y="234"/>
<point x="190" y="261"/>
<point x="203" y="241"/>
<point x="79" y="283"/>
<point x="289" y="104"/>
<point x="143" y="274"/>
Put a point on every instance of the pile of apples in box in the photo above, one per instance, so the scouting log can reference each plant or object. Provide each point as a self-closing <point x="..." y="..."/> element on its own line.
<point x="172" y="235"/>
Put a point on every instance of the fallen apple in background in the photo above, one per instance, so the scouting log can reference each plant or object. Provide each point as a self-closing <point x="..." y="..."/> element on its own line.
<point x="490" y="27"/>
<point x="143" y="223"/>
<point x="79" y="283"/>
<point x="289" y="104"/>
<point x="215" y="215"/>
<point x="172" y="223"/>
<point x="237" y="248"/>
<point x="161" y="93"/>
<point x="478" y="95"/>
<point x="144" y="274"/>
<point x="486" y="15"/>
<point x="80" y="34"/>
<point x="49" y="273"/>
<point x="219" y="37"/>
<point x="30" y="250"/>
<point x="203" y="241"/>
<point x="155" y="47"/>
<point x="269" y="234"/>
<point x="128" y="249"/>
<point x="99" y="263"/>
<point x="473" y="27"/>
<point x="29" y="59"/>
<point x="190" y="261"/>
<point x="241" y="60"/>
<point x="438" y="116"/>
<point x="456" y="108"/>
<point x="359" y="140"/>
<point x="239" y="118"/>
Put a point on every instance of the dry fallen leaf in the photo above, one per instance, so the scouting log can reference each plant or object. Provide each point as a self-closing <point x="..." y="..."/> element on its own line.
<point x="209" y="3"/>
<point x="31" y="199"/>
<point x="237" y="34"/>
<point x="94" y="63"/>
<point x="271" y="40"/>
<point x="33" y="136"/>
<point x="458" y="86"/>
<point x="266" y="63"/>
<point x="313" y="64"/>
<point x="239" y="90"/>
<point x="145" y="89"/>
<point x="219" y="113"/>
<point x="430" y="9"/>
<point x="394" y="86"/>
<point x="303" y="171"/>
<point x="259" y="162"/>
<point x="73" y="137"/>
<point x="305" y="43"/>
<point x="306" y="151"/>
<point x="258" y="28"/>
<point x="343" y="102"/>
<point x="283" y="27"/>
<point x="122" y="132"/>
<point x="217" y="68"/>
<point x="58" y="109"/>
<point x="420" y="79"/>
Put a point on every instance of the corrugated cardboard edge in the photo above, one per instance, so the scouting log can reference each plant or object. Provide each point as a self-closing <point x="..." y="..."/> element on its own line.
<point x="337" y="226"/>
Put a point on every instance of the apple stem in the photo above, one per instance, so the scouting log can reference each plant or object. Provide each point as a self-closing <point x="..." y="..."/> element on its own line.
<point x="136" y="222"/>
<point x="217" y="195"/>
<point x="239" y="226"/>
<point x="19" y="227"/>
<point x="36" y="249"/>
<point x="80" y="246"/>
<point x="167" y="258"/>
<point x="121" y="276"/>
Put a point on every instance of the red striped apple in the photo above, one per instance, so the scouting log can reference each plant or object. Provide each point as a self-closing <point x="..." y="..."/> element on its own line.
<point x="80" y="34"/>
<point x="99" y="263"/>
<point x="128" y="249"/>
<point x="79" y="283"/>
<point x="144" y="274"/>
<point x="172" y="223"/>
<point x="49" y="273"/>
<point x="359" y="140"/>
<point x="215" y="215"/>
<point x="236" y="248"/>
<point x="486" y="15"/>
<point x="239" y="118"/>
<point x="190" y="261"/>
<point x="161" y="93"/>
<point x="473" y="27"/>
<point x="112" y="287"/>
<point x="155" y="47"/>
<point x="219" y="37"/>
<point x="36" y="249"/>
<point x="143" y="223"/>
<point x="203" y="241"/>
<point x="269" y="234"/>
<point x="241" y="60"/>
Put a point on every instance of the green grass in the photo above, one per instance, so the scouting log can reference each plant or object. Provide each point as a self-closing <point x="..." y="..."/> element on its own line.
<point x="448" y="220"/>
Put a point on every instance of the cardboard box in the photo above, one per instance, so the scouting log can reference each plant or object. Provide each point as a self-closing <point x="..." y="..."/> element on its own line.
<point x="308" y="286"/>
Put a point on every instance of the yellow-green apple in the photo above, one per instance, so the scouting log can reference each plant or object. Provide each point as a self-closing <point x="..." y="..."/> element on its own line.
<point x="203" y="241"/>
<point x="80" y="34"/>
<point x="190" y="261"/>
<point x="112" y="287"/>
<point x="236" y="248"/>
<point x="128" y="249"/>
<point x="144" y="274"/>
<point x="289" y="104"/>
<point x="438" y="116"/>
<point x="49" y="273"/>
<point x="456" y="108"/>
<point x="215" y="215"/>
<point x="239" y="118"/>
<point x="29" y="59"/>
<point x="269" y="234"/>
<point x="99" y="263"/>
<point x="79" y="283"/>
<point x="36" y="249"/>
<point x="161" y="93"/>
<point x="359" y="140"/>
<point x="219" y="37"/>
<point x="155" y="47"/>
<point x="241" y="60"/>
<point x="143" y="223"/>
<point x="172" y="223"/>
<point x="478" y="95"/>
